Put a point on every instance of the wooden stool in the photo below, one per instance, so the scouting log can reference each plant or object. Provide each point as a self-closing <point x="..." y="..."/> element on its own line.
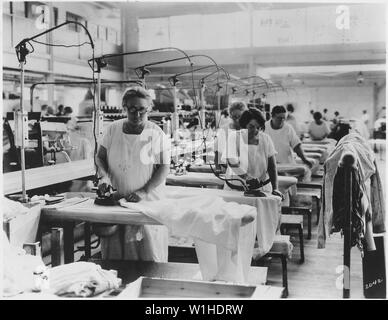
<point x="300" y="211"/>
<point x="313" y="190"/>
<point x="280" y="249"/>
<point x="294" y="221"/>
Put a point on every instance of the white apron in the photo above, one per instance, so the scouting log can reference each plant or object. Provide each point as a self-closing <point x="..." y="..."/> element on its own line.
<point x="129" y="171"/>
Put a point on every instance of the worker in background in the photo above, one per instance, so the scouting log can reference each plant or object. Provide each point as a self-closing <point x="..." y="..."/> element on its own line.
<point x="318" y="129"/>
<point x="77" y="146"/>
<point x="236" y="109"/>
<point x="325" y="116"/>
<point x="365" y="118"/>
<point x="46" y="111"/>
<point x="291" y="120"/>
<point x="224" y="120"/>
<point x="334" y="121"/>
<point x="60" y="110"/>
<point x="134" y="158"/>
<point x="311" y="115"/>
<point x="251" y="154"/>
<point x="284" y="138"/>
<point x="68" y="112"/>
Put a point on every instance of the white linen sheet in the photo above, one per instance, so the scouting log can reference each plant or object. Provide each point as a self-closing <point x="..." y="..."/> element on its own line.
<point x="224" y="248"/>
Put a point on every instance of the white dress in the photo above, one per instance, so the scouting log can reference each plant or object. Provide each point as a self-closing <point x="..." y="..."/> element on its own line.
<point x="253" y="159"/>
<point x="284" y="141"/>
<point x="131" y="159"/>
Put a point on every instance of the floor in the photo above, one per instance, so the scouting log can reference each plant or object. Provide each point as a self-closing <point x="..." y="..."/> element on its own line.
<point x="318" y="277"/>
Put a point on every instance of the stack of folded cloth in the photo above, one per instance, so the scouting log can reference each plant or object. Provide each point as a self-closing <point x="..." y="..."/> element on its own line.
<point x="82" y="279"/>
<point x="12" y="208"/>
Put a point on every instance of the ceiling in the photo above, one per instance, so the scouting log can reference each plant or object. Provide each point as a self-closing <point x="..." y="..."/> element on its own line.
<point x="164" y="9"/>
<point x="239" y="62"/>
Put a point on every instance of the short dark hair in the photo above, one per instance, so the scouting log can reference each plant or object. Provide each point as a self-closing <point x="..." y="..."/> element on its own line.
<point x="325" y="110"/>
<point x="278" y="109"/>
<point x="68" y="110"/>
<point x="252" y="114"/>
<point x="317" y="116"/>
<point x="290" y="108"/>
<point x="336" y="113"/>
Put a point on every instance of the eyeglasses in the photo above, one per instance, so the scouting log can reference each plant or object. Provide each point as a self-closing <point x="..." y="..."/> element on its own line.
<point x="235" y="116"/>
<point x="134" y="109"/>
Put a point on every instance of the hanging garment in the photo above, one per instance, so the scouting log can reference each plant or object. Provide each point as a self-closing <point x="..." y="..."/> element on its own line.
<point x="360" y="215"/>
<point x="365" y="163"/>
<point x="378" y="202"/>
<point x="224" y="247"/>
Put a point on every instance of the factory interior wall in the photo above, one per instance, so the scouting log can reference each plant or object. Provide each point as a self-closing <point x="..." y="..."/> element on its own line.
<point x="348" y="101"/>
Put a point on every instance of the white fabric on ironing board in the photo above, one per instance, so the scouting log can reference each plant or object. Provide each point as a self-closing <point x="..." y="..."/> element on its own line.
<point x="267" y="208"/>
<point x="215" y="225"/>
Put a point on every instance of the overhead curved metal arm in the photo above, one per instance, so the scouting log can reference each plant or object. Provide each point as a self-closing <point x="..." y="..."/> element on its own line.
<point x="22" y="51"/>
<point x="100" y="61"/>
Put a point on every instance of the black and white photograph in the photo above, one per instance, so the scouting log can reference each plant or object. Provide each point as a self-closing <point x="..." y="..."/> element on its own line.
<point x="193" y="150"/>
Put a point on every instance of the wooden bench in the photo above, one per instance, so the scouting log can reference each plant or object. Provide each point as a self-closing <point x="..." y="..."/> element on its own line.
<point x="293" y="221"/>
<point x="313" y="190"/>
<point x="280" y="249"/>
<point x="300" y="211"/>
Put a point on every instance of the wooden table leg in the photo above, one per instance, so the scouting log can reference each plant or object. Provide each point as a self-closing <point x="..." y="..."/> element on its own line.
<point x="87" y="235"/>
<point x="57" y="256"/>
<point x="68" y="235"/>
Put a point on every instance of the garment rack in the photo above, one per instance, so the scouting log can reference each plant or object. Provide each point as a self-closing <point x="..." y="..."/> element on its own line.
<point x="347" y="162"/>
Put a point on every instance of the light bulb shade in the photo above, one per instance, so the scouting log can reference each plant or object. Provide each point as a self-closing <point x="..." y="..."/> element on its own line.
<point x="360" y="77"/>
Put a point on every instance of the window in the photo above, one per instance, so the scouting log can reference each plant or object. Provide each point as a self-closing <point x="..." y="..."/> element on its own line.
<point x="55" y="16"/>
<point x="73" y="17"/>
<point x="34" y="9"/>
<point x="102" y="32"/>
<point x="7" y="7"/>
<point x="93" y="30"/>
<point x="18" y="8"/>
<point x="112" y="35"/>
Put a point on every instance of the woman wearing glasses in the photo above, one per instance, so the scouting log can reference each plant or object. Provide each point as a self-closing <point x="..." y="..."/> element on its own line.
<point x="134" y="158"/>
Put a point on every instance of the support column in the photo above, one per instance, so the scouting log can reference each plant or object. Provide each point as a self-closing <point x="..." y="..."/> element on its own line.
<point x="50" y="75"/>
<point x="129" y="33"/>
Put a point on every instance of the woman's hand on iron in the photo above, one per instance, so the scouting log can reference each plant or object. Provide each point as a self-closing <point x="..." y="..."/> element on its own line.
<point x="278" y="194"/>
<point x="136" y="196"/>
<point x="132" y="197"/>
<point x="104" y="187"/>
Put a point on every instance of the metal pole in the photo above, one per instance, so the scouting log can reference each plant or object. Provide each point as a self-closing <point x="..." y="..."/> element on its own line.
<point x="175" y="119"/>
<point x="218" y="113"/>
<point x="24" y="118"/>
<point x="203" y="111"/>
<point x="347" y="162"/>
<point x="98" y="91"/>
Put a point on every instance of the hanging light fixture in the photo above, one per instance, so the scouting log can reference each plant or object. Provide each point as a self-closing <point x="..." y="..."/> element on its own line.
<point x="360" y="78"/>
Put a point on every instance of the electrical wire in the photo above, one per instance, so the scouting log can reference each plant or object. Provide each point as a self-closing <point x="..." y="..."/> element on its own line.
<point x="61" y="45"/>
